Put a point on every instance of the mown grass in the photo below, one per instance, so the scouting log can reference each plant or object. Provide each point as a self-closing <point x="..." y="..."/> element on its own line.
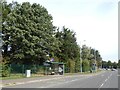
<point x="13" y="76"/>
<point x="20" y="76"/>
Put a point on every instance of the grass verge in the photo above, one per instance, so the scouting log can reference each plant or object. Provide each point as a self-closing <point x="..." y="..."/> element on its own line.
<point x="20" y="76"/>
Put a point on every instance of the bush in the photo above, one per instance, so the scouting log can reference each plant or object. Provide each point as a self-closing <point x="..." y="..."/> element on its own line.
<point x="86" y="65"/>
<point x="77" y="65"/>
<point x="70" y="66"/>
<point x="5" y="70"/>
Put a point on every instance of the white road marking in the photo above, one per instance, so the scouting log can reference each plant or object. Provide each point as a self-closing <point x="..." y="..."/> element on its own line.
<point x="105" y="80"/>
<point x="101" y="85"/>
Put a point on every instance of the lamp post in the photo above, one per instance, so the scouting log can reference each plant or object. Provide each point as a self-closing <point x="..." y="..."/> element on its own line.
<point x="81" y="57"/>
<point x="101" y="64"/>
<point x="95" y="61"/>
<point x="80" y="61"/>
<point x="46" y="69"/>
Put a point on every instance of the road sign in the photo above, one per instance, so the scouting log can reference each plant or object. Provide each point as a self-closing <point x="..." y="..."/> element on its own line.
<point x="46" y="64"/>
<point x="52" y="59"/>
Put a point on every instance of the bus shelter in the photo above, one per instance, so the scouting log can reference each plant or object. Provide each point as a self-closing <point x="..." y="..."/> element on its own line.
<point x="54" y="68"/>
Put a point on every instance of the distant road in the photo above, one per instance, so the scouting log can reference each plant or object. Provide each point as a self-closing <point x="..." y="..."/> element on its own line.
<point x="105" y="79"/>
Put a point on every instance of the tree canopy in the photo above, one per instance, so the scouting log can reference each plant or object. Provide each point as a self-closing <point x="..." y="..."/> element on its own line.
<point x="28" y="33"/>
<point x="29" y="37"/>
<point x="69" y="48"/>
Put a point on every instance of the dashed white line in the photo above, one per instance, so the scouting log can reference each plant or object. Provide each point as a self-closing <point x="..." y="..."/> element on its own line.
<point x="106" y="80"/>
<point x="101" y="85"/>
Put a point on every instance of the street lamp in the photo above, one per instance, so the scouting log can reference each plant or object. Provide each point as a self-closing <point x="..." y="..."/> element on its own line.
<point x="95" y="61"/>
<point x="101" y="64"/>
<point x="81" y="61"/>
<point x="81" y="57"/>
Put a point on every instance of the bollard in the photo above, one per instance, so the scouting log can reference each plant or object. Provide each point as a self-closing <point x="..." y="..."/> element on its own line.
<point x="28" y="73"/>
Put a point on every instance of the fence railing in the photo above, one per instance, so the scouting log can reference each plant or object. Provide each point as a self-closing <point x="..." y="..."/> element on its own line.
<point x="19" y="70"/>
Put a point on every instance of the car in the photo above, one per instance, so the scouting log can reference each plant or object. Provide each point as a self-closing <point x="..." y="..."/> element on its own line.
<point x="52" y="73"/>
<point x="113" y="69"/>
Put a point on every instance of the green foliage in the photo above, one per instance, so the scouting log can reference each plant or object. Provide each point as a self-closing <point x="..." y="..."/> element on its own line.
<point x="104" y="64"/>
<point x="71" y="66"/>
<point x="5" y="70"/>
<point x="98" y="58"/>
<point x="119" y="63"/>
<point x="68" y="46"/>
<point x="93" y="56"/>
<point x="29" y="36"/>
<point x="77" y="65"/>
<point x="86" y="65"/>
<point x="28" y="33"/>
<point x="109" y="64"/>
<point x="114" y="65"/>
<point x="0" y="17"/>
<point x="85" y="52"/>
<point x="0" y="25"/>
<point x="69" y="52"/>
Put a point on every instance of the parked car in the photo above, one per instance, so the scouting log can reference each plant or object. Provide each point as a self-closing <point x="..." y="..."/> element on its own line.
<point x="113" y="69"/>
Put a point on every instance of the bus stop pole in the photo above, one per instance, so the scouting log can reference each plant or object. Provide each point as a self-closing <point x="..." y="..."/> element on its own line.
<point x="63" y="69"/>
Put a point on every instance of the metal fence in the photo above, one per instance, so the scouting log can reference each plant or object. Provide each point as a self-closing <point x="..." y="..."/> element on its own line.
<point x="20" y="70"/>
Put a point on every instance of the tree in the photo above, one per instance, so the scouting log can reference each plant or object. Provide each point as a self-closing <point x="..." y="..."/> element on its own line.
<point x="114" y="65"/>
<point x="69" y="50"/>
<point x="0" y="29"/>
<point x="28" y="33"/>
<point x="86" y="65"/>
<point x="119" y="63"/>
<point x="68" y="47"/>
<point x="109" y="64"/>
<point x="0" y="18"/>
<point x="85" y="52"/>
<point x="98" y="58"/>
<point x="104" y="64"/>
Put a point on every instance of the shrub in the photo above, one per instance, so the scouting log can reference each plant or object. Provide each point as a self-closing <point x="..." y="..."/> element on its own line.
<point x="5" y="70"/>
<point x="86" y="65"/>
<point x="70" y="66"/>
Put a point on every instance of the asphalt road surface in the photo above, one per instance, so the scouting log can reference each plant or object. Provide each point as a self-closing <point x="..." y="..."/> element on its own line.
<point x="105" y="79"/>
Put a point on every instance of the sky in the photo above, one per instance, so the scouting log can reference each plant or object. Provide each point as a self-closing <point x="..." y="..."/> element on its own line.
<point x="95" y="22"/>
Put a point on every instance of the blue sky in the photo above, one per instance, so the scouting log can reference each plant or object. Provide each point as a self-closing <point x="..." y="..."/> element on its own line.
<point x="95" y="21"/>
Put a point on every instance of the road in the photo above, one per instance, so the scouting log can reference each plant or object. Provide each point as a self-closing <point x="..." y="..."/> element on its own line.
<point x="105" y="79"/>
